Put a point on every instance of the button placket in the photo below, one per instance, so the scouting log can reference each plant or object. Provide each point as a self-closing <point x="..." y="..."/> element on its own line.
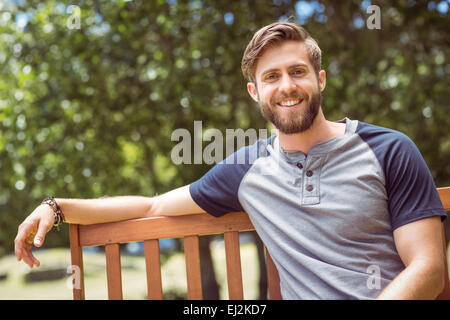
<point x="311" y="187"/>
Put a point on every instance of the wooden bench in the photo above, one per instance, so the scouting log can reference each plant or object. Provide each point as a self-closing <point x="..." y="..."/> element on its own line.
<point x="189" y="227"/>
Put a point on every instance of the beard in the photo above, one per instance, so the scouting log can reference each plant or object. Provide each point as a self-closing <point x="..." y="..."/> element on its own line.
<point x="293" y="121"/>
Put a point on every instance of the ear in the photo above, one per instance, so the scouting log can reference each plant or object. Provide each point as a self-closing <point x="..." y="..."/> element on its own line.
<point x="253" y="91"/>
<point x="322" y="79"/>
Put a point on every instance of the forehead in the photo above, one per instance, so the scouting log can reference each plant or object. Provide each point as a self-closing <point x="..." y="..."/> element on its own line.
<point x="282" y="56"/>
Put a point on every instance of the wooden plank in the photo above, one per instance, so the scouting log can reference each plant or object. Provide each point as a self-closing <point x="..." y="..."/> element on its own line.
<point x="273" y="278"/>
<point x="233" y="262"/>
<point x="113" y="271"/>
<point x="444" y="194"/>
<point x="153" y="268"/>
<point x="162" y="227"/>
<point x="76" y="254"/>
<point x="193" y="272"/>
<point x="234" y="272"/>
<point x="445" y="294"/>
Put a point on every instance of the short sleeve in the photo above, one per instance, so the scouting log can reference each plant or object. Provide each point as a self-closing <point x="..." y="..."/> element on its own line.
<point x="217" y="191"/>
<point x="410" y="188"/>
<point x="411" y="191"/>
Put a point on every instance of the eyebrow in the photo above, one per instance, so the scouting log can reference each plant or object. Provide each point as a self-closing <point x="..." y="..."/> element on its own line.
<point x="290" y="67"/>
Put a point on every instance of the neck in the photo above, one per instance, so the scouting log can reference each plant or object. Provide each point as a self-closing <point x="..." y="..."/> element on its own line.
<point x="320" y="131"/>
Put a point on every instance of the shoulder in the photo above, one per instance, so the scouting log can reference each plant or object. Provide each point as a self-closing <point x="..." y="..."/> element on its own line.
<point x="399" y="157"/>
<point x="217" y="191"/>
<point x="380" y="136"/>
<point x="230" y="171"/>
<point x="389" y="146"/>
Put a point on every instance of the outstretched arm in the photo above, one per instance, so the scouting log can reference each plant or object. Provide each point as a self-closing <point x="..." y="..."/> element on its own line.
<point x="90" y="211"/>
<point x="172" y="203"/>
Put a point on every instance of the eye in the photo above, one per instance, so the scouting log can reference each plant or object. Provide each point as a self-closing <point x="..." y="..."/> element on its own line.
<point x="271" y="77"/>
<point x="298" y="72"/>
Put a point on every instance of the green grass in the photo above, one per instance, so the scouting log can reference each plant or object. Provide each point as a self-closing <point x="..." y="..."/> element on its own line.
<point x="133" y="275"/>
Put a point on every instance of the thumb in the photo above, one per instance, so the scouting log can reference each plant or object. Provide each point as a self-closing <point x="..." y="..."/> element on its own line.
<point x="40" y="235"/>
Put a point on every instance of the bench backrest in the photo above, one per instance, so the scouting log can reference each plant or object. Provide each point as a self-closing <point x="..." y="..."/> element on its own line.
<point x="150" y="230"/>
<point x="189" y="227"/>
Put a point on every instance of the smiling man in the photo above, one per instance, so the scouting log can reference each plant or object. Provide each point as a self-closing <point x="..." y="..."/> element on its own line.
<point x="347" y="210"/>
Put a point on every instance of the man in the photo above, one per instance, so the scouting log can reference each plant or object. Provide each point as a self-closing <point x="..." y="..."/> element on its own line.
<point x="346" y="209"/>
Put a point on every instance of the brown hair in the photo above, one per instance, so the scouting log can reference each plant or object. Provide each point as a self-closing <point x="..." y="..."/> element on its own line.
<point x="274" y="34"/>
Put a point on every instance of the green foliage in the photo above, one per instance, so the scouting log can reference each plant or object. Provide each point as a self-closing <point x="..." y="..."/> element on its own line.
<point x="89" y="112"/>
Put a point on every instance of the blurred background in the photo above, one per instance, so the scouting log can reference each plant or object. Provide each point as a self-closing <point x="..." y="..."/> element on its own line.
<point x="91" y="91"/>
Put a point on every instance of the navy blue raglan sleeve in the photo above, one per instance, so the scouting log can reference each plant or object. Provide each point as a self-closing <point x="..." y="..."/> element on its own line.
<point x="410" y="188"/>
<point x="217" y="191"/>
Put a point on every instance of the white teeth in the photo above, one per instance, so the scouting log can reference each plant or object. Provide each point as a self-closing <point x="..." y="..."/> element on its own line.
<point x="289" y="103"/>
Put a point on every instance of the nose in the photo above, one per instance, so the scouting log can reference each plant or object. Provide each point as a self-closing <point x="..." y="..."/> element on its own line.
<point x="287" y="84"/>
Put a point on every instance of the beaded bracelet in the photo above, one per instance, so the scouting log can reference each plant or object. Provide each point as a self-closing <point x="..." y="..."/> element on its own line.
<point x="59" y="216"/>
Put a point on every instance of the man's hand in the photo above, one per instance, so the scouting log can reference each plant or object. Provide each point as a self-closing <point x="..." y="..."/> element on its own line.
<point x="32" y="231"/>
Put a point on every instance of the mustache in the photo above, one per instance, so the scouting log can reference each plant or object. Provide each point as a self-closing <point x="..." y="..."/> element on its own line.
<point x="283" y="96"/>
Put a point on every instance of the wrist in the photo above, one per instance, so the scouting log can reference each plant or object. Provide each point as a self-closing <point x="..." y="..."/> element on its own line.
<point x="57" y="212"/>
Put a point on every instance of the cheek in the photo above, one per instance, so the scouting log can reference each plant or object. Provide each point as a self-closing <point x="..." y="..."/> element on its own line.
<point x="266" y="93"/>
<point x="307" y="83"/>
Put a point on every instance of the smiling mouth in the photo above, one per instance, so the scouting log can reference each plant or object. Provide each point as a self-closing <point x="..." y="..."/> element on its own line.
<point x="291" y="103"/>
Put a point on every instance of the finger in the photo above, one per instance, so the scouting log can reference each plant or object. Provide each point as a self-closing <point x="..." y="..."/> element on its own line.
<point x="18" y="250"/>
<point x="40" y="235"/>
<point x="34" y="260"/>
<point x="20" y="240"/>
<point x="27" y="256"/>
<point x="23" y="242"/>
<point x="31" y="259"/>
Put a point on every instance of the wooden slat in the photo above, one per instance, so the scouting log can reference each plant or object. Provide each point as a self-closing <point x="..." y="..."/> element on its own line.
<point x="445" y="294"/>
<point x="162" y="227"/>
<point x="233" y="258"/>
<point x="193" y="272"/>
<point x="76" y="254"/>
<point x="113" y="271"/>
<point x="444" y="194"/>
<point x="273" y="279"/>
<point x="153" y="267"/>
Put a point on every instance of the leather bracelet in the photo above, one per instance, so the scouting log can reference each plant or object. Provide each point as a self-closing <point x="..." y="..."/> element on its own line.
<point x="59" y="216"/>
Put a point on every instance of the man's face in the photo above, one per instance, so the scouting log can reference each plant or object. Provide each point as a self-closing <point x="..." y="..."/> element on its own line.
<point x="287" y="88"/>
